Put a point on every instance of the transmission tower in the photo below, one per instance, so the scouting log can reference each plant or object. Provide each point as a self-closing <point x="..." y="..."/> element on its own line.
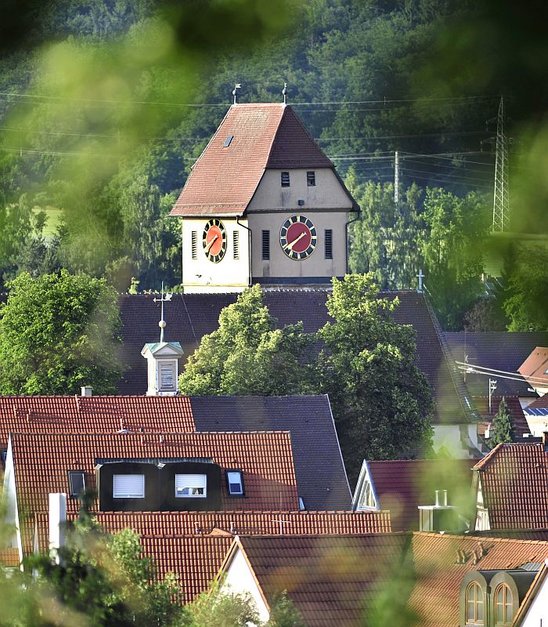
<point x="500" y="198"/>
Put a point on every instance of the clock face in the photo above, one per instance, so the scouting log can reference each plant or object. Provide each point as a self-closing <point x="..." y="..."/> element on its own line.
<point x="298" y="237"/>
<point x="214" y="240"/>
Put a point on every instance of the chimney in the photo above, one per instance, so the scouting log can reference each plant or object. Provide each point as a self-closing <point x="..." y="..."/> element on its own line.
<point x="441" y="498"/>
<point x="57" y="523"/>
<point x="440" y="517"/>
<point x="86" y="390"/>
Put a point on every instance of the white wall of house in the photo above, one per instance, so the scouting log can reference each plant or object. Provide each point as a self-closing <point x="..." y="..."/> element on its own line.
<point x="482" y="513"/>
<point x="10" y="499"/>
<point x="458" y="439"/>
<point x="239" y="579"/>
<point x="228" y="275"/>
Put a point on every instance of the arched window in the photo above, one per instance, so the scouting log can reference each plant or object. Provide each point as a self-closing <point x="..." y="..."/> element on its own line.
<point x="475" y="604"/>
<point x="504" y="606"/>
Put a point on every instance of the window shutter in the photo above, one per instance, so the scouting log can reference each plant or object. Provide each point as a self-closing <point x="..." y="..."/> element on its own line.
<point x="128" y="486"/>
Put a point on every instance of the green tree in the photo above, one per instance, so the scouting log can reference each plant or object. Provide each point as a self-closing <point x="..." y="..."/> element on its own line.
<point x="57" y="333"/>
<point x="248" y="355"/>
<point x="502" y="429"/>
<point x="283" y="613"/>
<point x="381" y="401"/>
<point x="451" y="248"/>
<point x="214" y="608"/>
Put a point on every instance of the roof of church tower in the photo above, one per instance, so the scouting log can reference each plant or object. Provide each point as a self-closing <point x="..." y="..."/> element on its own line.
<point x="250" y="139"/>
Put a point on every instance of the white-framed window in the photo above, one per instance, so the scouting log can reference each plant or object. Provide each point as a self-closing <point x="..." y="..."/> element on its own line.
<point x="235" y="482"/>
<point x="128" y="486"/>
<point x="475" y="605"/>
<point x="166" y="375"/>
<point x="191" y="486"/>
<point x="77" y="483"/>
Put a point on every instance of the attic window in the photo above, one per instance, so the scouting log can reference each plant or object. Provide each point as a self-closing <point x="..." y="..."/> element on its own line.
<point x="228" y="141"/>
<point x="285" y="179"/>
<point x="128" y="486"/>
<point x="235" y="482"/>
<point x="77" y="483"/>
<point x="194" y="244"/>
<point x="191" y="486"/>
<point x="311" y="179"/>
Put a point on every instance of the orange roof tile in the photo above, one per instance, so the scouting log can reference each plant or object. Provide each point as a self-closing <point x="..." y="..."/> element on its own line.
<point x="514" y="480"/>
<point x="94" y="414"/>
<point x="225" y="177"/>
<point x="41" y="462"/>
<point x="536" y="365"/>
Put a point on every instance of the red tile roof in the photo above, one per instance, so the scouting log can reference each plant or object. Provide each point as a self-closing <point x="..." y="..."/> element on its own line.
<point x="94" y="414"/>
<point x="514" y="482"/>
<point x="536" y="367"/>
<point x="41" y="462"/>
<point x="328" y="578"/>
<point x="402" y="485"/>
<point x="435" y="596"/>
<point x="539" y="403"/>
<point x="335" y="581"/>
<point x="224" y="178"/>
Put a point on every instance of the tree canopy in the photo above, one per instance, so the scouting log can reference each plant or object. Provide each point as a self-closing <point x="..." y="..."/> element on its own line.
<point x="57" y="333"/>
<point x="502" y="429"/>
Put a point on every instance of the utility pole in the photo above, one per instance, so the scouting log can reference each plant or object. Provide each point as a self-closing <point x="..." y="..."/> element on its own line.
<point x="492" y="388"/>
<point x="396" y="177"/>
<point x="501" y="198"/>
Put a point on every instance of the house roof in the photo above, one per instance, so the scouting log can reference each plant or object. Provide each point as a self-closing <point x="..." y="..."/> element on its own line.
<point x="539" y="403"/>
<point x="402" y="485"/>
<point x="328" y="578"/>
<point x="337" y="580"/>
<point x="496" y="350"/>
<point x="225" y="177"/>
<point x="536" y="366"/>
<point x="321" y="475"/>
<point x="514" y="480"/>
<point x="93" y="414"/>
<point x="515" y="411"/>
<point x="41" y="463"/>
<point x="193" y="544"/>
<point x="435" y="595"/>
<point x="190" y="316"/>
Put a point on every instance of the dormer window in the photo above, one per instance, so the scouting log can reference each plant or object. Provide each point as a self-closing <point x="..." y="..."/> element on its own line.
<point x="235" y="482"/>
<point x="77" y="483"/>
<point x="475" y="604"/>
<point x="128" y="486"/>
<point x="285" y="179"/>
<point x="190" y="486"/>
<point x="166" y="373"/>
<point x="504" y="606"/>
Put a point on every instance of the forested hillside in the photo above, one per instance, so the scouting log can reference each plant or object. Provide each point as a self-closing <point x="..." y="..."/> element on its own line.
<point x="105" y="105"/>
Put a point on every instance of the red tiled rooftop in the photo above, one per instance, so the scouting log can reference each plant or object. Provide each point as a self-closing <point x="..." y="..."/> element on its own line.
<point x="402" y="485"/>
<point x="224" y="178"/>
<point x="41" y="462"/>
<point x="94" y="414"/>
<point x="514" y="481"/>
<point x="536" y="365"/>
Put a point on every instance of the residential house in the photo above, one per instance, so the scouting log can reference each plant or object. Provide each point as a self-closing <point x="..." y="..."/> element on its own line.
<point x="435" y="580"/>
<point x="535" y="370"/>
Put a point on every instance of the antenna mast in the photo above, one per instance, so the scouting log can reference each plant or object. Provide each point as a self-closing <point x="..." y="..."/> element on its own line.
<point x="165" y="298"/>
<point x="396" y="177"/>
<point x="501" y="198"/>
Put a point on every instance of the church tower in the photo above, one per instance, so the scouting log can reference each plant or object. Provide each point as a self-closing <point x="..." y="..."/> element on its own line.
<point x="263" y="204"/>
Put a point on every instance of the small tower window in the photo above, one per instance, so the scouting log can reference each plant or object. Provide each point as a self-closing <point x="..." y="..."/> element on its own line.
<point x="266" y="245"/>
<point x="236" y="244"/>
<point x="77" y="483"/>
<point x="235" y="482"/>
<point x="194" y="244"/>
<point x="311" y="179"/>
<point x="285" y="179"/>
<point x="329" y="243"/>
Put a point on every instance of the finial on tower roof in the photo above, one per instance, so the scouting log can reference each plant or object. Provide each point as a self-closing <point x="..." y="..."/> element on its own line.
<point x="284" y="93"/>
<point x="163" y="299"/>
<point x="235" y="92"/>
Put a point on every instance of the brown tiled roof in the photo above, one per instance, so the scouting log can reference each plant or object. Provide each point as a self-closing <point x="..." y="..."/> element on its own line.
<point x="536" y="365"/>
<point x="190" y="316"/>
<point x="335" y="581"/>
<point x="9" y="558"/>
<point x="515" y="411"/>
<point x="435" y="596"/>
<point x="41" y="463"/>
<point x="539" y="403"/>
<point x="402" y="485"/>
<point x="328" y="578"/>
<point x="95" y="414"/>
<point x="514" y="480"/>
<point x="224" y="178"/>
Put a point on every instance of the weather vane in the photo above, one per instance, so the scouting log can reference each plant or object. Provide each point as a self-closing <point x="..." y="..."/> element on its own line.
<point x="165" y="298"/>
